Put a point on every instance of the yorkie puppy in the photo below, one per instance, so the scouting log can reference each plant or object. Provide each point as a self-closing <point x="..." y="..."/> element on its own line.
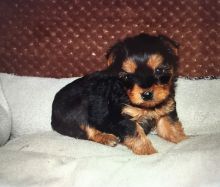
<point x="125" y="101"/>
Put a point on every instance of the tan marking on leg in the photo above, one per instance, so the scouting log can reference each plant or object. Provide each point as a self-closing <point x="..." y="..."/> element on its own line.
<point x="100" y="137"/>
<point x="140" y="144"/>
<point x="169" y="130"/>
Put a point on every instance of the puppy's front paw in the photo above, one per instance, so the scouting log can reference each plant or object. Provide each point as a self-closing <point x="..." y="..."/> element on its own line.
<point x="140" y="146"/>
<point x="145" y="149"/>
<point x="176" y="134"/>
<point x="170" y="131"/>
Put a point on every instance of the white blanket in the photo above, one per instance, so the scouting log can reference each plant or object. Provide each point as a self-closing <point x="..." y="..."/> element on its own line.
<point x="36" y="156"/>
<point x="51" y="160"/>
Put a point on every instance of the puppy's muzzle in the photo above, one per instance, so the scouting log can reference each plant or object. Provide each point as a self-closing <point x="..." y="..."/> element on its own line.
<point x="147" y="96"/>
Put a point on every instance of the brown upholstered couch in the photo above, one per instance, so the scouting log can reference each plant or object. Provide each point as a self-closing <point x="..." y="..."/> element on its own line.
<point x="69" y="38"/>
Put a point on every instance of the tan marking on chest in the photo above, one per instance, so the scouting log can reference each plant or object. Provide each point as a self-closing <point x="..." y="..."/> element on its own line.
<point x="140" y="113"/>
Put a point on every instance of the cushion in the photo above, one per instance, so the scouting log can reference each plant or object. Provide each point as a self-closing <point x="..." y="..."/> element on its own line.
<point x="30" y="100"/>
<point x="5" y="118"/>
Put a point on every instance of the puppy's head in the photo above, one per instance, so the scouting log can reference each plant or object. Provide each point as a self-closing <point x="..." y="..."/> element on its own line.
<point x="147" y="64"/>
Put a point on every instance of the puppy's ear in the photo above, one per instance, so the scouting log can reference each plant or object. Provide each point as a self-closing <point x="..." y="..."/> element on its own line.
<point x="173" y="45"/>
<point x="116" y="53"/>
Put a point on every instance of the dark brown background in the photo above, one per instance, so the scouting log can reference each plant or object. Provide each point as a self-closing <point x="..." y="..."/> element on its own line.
<point x="55" y="38"/>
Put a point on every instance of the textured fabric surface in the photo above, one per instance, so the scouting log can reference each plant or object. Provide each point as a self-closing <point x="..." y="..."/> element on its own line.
<point x="70" y="37"/>
<point x="50" y="160"/>
<point x="30" y="100"/>
<point x="5" y="118"/>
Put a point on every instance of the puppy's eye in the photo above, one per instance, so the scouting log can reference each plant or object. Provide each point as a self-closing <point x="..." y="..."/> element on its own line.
<point x="161" y="70"/>
<point x="158" y="70"/>
<point x="123" y="75"/>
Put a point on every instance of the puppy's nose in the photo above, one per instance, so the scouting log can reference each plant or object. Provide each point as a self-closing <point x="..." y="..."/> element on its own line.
<point x="147" y="96"/>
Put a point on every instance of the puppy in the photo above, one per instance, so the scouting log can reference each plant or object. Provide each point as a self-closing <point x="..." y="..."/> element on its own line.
<point x="125" y="101"/>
